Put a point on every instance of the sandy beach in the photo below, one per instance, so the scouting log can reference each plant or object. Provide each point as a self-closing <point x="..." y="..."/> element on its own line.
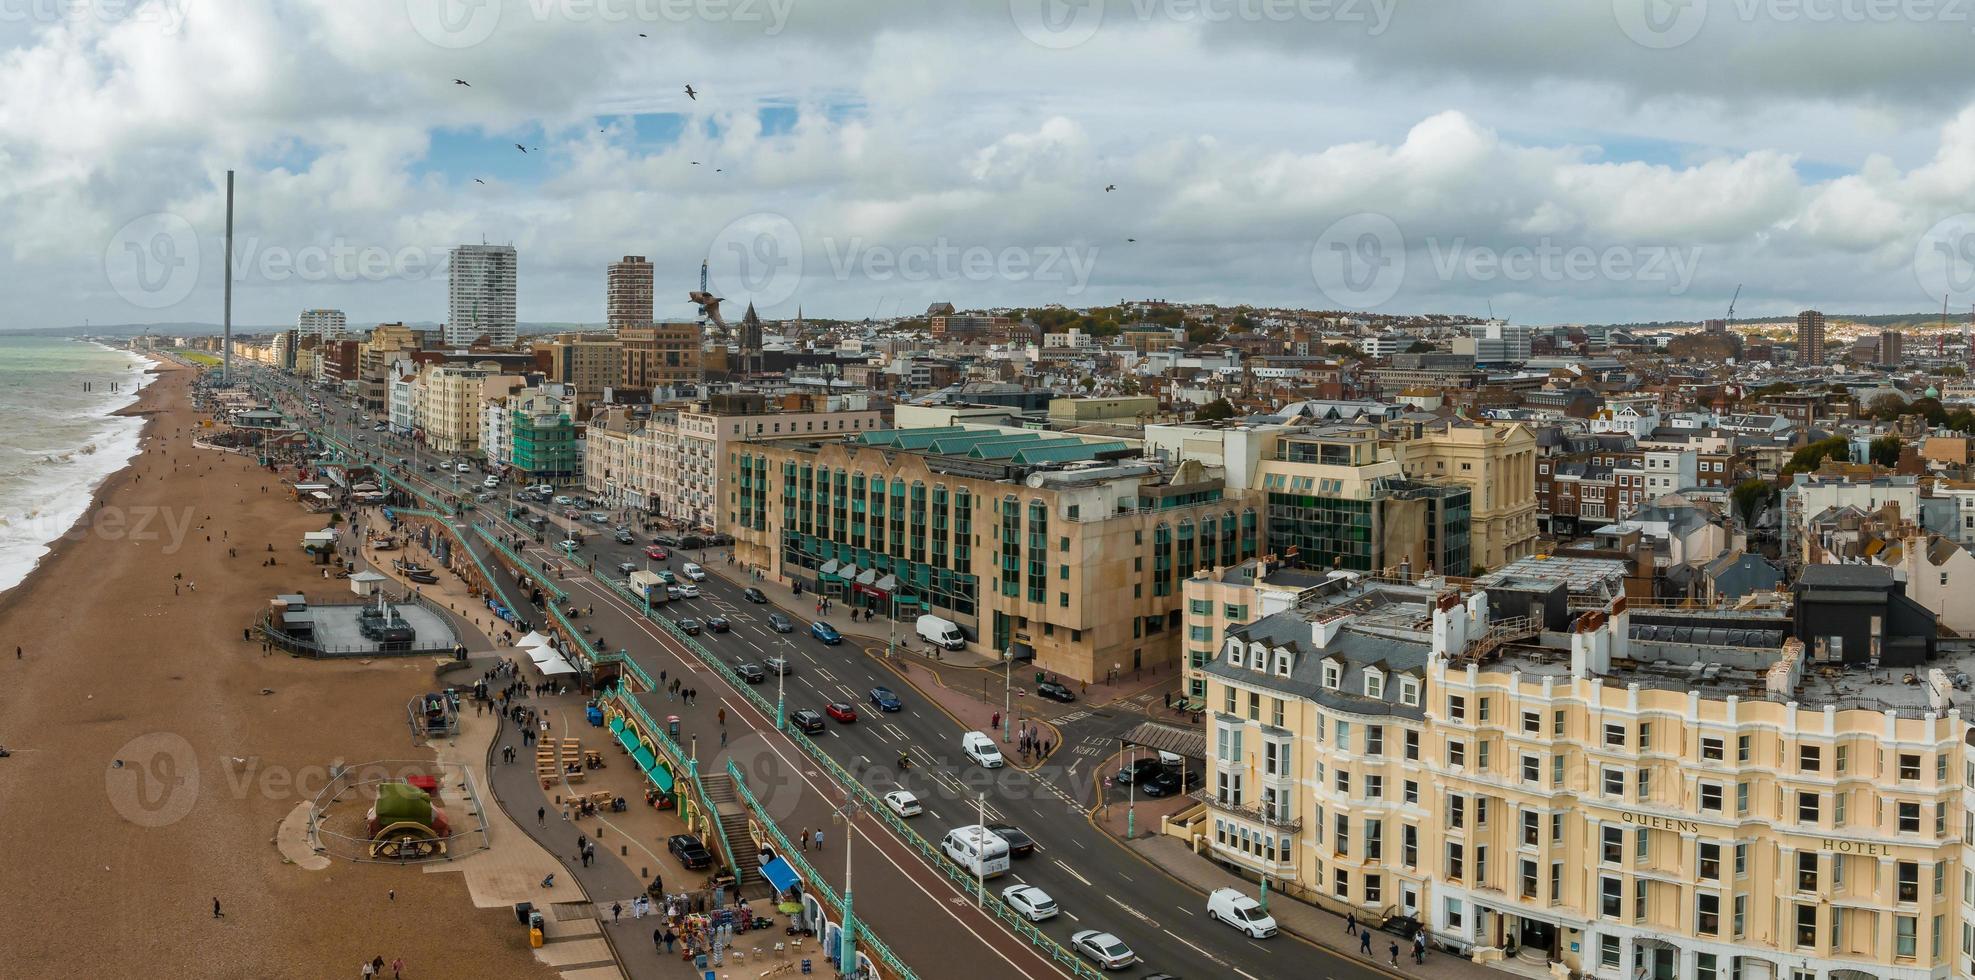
<point x="149" y="769"/>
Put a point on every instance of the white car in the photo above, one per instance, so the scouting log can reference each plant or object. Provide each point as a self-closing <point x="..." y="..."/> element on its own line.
<point x="693" y="571"/>
<point x="688" y="590"/>
<point x="903" y="803"/>
<point x="463" y="468"/>
<point x="1232" y="907"/>
<point x="562" y="500"/>
<point x="1109" y="951"/>
<point x="1030" y="901"/>
<point x="981" y="750"/>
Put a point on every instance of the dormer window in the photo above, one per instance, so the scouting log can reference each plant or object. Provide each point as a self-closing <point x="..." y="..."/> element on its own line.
<point x="1234" y="654"/>
<point x="1333" y="674"/>
<point x="1409" y="692"/>
<point x="1375" y="684"/>
<point x="1282" y="662"/>
<point x="1258" y="657"/>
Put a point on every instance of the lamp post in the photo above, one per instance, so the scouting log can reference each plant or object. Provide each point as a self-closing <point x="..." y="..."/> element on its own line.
<point x="847" y="950"/>
<point x="891" y="628"/>
<point x="1007" y="690"/>
<point x="980" y="866"/>
<point x="781" y="680"/>
<point x="1131" y="798"/>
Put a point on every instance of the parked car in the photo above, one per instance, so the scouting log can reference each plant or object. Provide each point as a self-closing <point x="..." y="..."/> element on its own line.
<point x="807" y="721"/>
<point x="720" y="539"/>
<point x="840" y="711"/>
<point x="689" y="626"/>
<point x="751" y="673"/>
<point x="689" y="851"/>
<point x="1034" y="903"/>
<point x="903" y="803"/>
<point x="1055" y="692"/>
<point x="883" y="699"/>
<point x="692" y="542"/>
<point x="780" y="623"/>
<point x="1107" y="950"/>
<point x="1019" y="843"/>
<point x="754" y="595"/>
<point x="718" y="624"/>
<point x="1166" y="782"/>
<point x="825" y="632"/>
<point x="1144" y="767"/>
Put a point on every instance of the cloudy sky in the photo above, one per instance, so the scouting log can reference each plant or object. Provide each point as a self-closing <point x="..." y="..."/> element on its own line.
<point x="1604" y="160"/>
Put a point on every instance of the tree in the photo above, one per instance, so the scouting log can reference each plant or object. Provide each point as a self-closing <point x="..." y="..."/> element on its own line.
<point x="1886" y="450"/>
<point x="1749" y="498"/>
<point x="1811" y="456"/>
<point x="1962" y="420"/>
<point x="1214" y="411"/>
<point x="1420" y="347"/>
<point x="1930" y="409"/>
<point x="1886" y="407"/>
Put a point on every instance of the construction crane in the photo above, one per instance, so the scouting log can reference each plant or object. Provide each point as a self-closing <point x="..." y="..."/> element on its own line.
<point x="1728" y="323"/>
<point x="709" y="304"/>
<point x="1941" y="346"/>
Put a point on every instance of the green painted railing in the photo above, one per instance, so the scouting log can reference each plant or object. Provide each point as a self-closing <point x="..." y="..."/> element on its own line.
<point x="687" y="771"/>
<point x="813" y="880"/>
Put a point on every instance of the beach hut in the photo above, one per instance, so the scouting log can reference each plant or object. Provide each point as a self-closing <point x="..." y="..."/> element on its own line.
<point x="363" y="583"/>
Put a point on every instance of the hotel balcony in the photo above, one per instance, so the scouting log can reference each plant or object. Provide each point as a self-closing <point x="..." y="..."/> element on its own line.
<point x="1245" y="811"/>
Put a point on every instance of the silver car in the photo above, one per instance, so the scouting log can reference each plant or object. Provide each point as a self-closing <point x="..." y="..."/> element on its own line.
<point x="1107" y="950"/>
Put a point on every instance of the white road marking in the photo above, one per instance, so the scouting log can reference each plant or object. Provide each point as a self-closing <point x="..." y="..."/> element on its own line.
<point x="1072" y="872"/>
<point x="1142" y="917"/>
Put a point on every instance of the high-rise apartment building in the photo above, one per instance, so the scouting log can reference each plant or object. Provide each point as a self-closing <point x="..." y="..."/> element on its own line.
<point x="480" y="295"/>
<point x="1891" y="348"/>
<point x="1810" y="337"/>
<point x="323" y="324"/>
<point x="587" y="364"/>
<point x="628" y="293"/>
<point x="660" y="353"/>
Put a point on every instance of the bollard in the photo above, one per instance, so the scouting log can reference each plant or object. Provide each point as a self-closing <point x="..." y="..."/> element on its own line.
<point x="624" y="850"/>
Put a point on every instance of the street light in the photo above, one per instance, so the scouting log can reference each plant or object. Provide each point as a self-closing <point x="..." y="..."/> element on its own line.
<point x="847" y="950"/>
<point x="980" y="866"/>
<point x="1131" y="795"/>
<point x="1007" y="687"/>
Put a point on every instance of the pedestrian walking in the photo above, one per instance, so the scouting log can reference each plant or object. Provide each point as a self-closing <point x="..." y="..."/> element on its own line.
<point x="368" y="971"/>
<point x="1395" y="952"/>
<point x="819" y="838"/>
<point x="541" y="816"/>
<point x="616" y="910"/>
<point x="804" y="838"/>
<point x="658" y="940"/>
<point x="723" y="716"/>
<point x="1351" y="924"/>
<point x="217" y="914"/>
<point x="1365" y="941"/>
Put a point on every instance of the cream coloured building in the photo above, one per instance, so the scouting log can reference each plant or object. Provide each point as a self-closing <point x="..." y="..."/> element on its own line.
<point x="1651" y="798"/>
<point x="1497" y="462"/>
<point x="449" y="401"/>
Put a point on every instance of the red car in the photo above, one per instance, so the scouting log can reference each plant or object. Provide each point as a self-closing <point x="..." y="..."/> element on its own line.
<point x="656" y="553"/>
<point x="840" y="711"/>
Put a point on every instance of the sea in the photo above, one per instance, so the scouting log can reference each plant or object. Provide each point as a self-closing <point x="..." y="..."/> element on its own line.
<point x="58" y="440"/>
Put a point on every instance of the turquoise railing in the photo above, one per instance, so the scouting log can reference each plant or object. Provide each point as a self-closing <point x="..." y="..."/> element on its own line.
<point x="687" y="771"/>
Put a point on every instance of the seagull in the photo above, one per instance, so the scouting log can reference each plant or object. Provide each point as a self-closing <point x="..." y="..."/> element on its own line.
<point x="1108" y="188"/>
<point x="644" y="35"/>
<point x="690" y="93"/>
<point x="461" y="81"/>
<point x="695" y="163"/>
<point x="1131" y="239"/>
<point x="478" y="180"/>
<point x="518" y="146"/>
<point x="717" y="170"/>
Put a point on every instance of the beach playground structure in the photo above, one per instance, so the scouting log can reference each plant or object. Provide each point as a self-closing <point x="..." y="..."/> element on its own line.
<point x="398" y="811"/>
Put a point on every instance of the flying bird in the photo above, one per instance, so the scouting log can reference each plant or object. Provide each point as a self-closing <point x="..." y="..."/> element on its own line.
<point x="518" y="146"/>
<point x="1108" y="188"/>
<point x="644" y="35"/>
<point x="478" y="180"/>
<point x="690" y="93"/>
<point x="1131" y="239"/>
<point x="695" y="163"/>
<point x="717" y="170"/>
<point x="461" y="81"/>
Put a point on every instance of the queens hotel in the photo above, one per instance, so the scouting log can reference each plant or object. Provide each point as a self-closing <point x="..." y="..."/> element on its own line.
<point x="1549" y="779"/>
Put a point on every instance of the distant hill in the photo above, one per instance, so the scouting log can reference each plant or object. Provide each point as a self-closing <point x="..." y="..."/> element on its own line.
<point x="1871" y="320"/>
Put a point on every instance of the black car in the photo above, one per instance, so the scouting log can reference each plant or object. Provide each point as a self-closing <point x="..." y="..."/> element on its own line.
<point x="690" y="627"/>
<point x="1140" y="769"/>
<point x="720" y="539"/>
<point x="1019" y="844"/>
<point x="689" y="851"/>
<point x="807" y="721"/>
<point x="753" y="594"/>
<point x="718" y="624"/>
<point x="751" y="673"/>
<point x="780" y="623"/>
<point x="692" y="542"/>
<point x="1055" y="692"/>
<point x="1166" y="782"/>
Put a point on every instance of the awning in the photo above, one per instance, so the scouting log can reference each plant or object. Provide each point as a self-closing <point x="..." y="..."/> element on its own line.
<point x="887" y="583"/>
<point x="830" y="568"/>
<point x="616" y="724"/>
<point x="1191" y="743"/>
<point x="643" y="755"/>
<point x="779" y="874"/>
<point x="624" y="735"/>
<point x="660" y="776"/>
<point x="533" y="639"/>
<point x="869" y="576"/>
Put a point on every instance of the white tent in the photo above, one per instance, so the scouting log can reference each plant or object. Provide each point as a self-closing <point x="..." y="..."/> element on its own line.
<point x="533" y="639"/>
<point x="557" y="667"/>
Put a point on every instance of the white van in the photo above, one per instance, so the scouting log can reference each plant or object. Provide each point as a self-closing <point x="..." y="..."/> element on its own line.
<point x="980" y="750"/>
<point x="1240" y="911"/>
<point x="693" y="571"/>
<point x="974" y="847"/>
<point x="941" y="632"/>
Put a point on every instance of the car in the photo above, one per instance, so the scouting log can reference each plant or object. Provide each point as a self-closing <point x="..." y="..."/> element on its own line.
<point x="1165" y="782"/>
<point x="1019" y="843"/>
<point x="751" y="673"/>
<point x="429" y="468"/>
<point x="656" y="553"/>
<point x="840" y="711"/>
<point x="903" y="803"/>
<point x="1141" y="768"/>
<point x="806" y="721"/>
<point x="692" y="542"/>
<point x="689" y="626"/>
<point x="825" y="632"/>
<point x="562" y="500"/>
<point x="689" y="851"/>
<point x="1055" y="692"/>
<point x="626" y="567"/>
<point x="624" y="537"/>
<point x="981" y="750"/>
<point x="1034" y="903"/>
<point x="600" y="518"/>
<point x="671" y="592"/>
<point x="754" y="595"/>
<point x="1229" y="905"/>
<point x="1107" y="950"/>
<point x="720" y="539"/>
<point x="668" y="540"/>
<point x="570" y="544"/>
<point x="780" y="623"/>
<point x="883" y="699"/>
<point x="688" y="590"/>
<point x="780" y="666"/>
<point x="484" y="498"/>
<point x="693" y="572"/>
<point x="718" y="624"/>
<point x="665" y="575"/>
<point x="462" y="468"/>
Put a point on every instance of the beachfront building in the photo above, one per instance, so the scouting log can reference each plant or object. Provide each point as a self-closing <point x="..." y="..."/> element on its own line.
<point x="322" y="324"/>
<point x="1535" y="773"/>
<point x="404" y="388"/>
<point x="450" y="397"/>
<point x="480" y="290"/>
<point x="1223" y="597"/>
<point x="659" y="354"/>
<point x="1071" y="550"/>
<point x="388" y="343"/>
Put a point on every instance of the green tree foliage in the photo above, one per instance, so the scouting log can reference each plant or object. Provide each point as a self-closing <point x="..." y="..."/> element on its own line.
<point x="1749" y="497"/>
<point x="1886" y="450"/>
<point x="1214" y="411"/>
<point x="1811" y="456"/>
<point x="1420" y="347"/>
<point x="1886" y="408"/>
<point x="1931" y="409"/>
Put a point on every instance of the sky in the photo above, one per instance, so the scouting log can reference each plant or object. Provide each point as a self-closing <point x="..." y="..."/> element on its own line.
<point x="1596" y="161"/>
